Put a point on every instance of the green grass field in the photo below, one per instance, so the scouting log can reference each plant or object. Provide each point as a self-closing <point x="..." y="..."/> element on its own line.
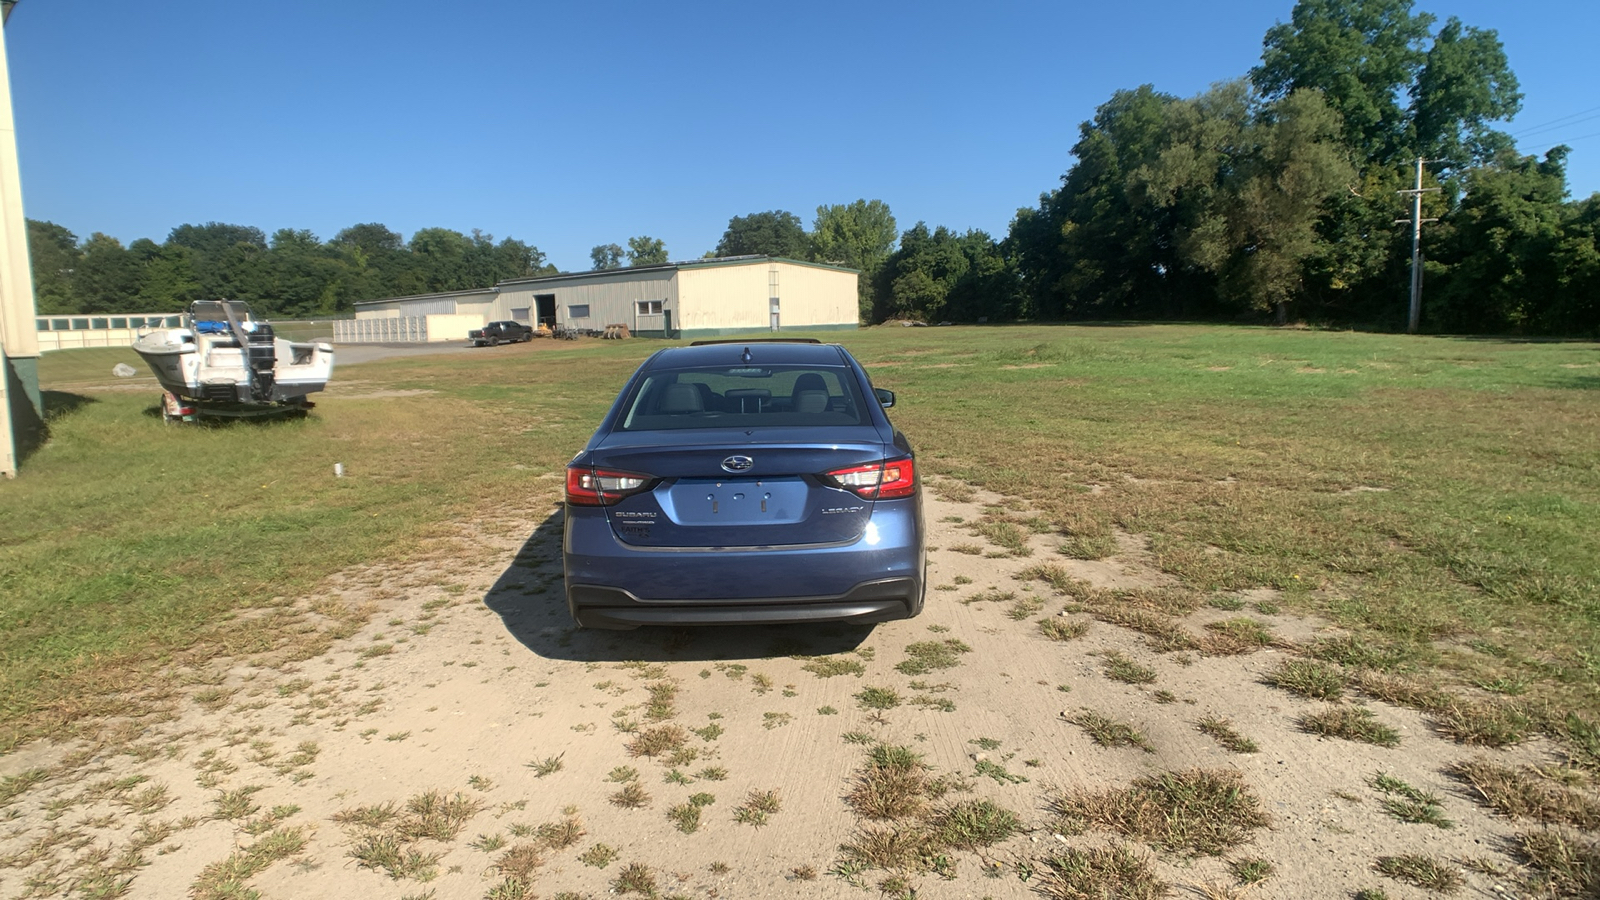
<point x="1440" y="496"/>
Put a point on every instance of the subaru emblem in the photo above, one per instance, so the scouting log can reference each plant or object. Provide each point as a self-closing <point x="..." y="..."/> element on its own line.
<point x="737" y="463"/>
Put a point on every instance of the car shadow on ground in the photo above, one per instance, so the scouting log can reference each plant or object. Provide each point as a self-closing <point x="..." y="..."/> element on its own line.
<point x="530" y="598"/>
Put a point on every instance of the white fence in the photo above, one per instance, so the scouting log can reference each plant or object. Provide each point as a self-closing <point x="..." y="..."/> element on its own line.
<point x="392" y="330"/>
<point x="73" y="332"/>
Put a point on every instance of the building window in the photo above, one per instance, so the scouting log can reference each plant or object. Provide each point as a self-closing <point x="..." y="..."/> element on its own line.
<point x="519" y="313"/>
<point x="648" y="307"/>
<point x="578" y="311"/>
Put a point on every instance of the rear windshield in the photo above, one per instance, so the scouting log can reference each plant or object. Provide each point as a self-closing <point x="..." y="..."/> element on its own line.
<point x="740" y="396"/>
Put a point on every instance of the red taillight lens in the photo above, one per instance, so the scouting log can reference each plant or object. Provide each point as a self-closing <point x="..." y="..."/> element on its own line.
<point x="602" y="487"/>
<point x="888" y="480"/>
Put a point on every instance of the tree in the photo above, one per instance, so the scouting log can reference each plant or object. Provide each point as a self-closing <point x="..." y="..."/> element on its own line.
<point x="606" y="257"/>
<point x="1495" y="270"/>
<point x="918" y="278"/>
<point x="1274" y="198"/>
<point x="442" y="255"/>
<point x="107" y="277"/>
<point x="167" y="281"/>
<point x="646" y="251"/>
<point x="859" y="235"/>
<point x="1363" y="54"/>
<point x="1098" y="246"/>
<point x="772" y="233"/>
<point x="1465" y="84"/>
<point x="54" y="255"/>
<point x="372" y="238"/>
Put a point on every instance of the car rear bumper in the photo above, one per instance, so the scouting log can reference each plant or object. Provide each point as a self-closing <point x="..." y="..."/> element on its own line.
<point x="596" y="606"/>
<point x="878" y="577"/>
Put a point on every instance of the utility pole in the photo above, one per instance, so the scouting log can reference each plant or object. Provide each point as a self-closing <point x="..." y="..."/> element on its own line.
<point x="1416" y="221"/>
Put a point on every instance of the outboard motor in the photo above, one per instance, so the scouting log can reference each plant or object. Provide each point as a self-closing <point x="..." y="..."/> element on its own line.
<point x="262" y="356"/>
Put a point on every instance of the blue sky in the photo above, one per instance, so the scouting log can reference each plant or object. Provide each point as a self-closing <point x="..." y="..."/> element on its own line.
<point x="571" y="125"/>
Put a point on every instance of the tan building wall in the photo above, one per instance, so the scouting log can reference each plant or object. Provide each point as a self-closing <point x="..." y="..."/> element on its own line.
<point x="729" y="298"/>
<point x="690" y="299"/>
<point x="452" y="328"/>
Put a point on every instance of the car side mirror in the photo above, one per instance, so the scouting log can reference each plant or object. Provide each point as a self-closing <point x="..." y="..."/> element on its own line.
<point x="885" y="397"/>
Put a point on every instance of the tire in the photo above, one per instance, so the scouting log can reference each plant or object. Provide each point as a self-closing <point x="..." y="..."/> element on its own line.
<point x="494" y="342"/>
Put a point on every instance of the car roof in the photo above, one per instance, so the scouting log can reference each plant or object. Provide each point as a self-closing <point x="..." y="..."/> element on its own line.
<point x="760" y="353"/>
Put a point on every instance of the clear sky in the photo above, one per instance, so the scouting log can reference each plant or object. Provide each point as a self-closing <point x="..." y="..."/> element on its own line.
<point x="571" y="125"/>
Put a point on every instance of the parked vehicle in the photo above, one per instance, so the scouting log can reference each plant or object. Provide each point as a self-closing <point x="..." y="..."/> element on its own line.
<point x="226" y="362"/>
<point x="500" y="332"/>
<point x="745" y="482"/>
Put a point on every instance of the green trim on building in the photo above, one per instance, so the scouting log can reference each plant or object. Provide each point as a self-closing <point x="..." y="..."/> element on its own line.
<point x="27" y="406"/>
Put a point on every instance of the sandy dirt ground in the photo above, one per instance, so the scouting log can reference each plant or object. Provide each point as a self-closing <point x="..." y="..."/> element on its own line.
<point x="468" y="742"/>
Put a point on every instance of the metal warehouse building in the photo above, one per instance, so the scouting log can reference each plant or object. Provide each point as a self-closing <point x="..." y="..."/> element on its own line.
<point x="697" y="298"/>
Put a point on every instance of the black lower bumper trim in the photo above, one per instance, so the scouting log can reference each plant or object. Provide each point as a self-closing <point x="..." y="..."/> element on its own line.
<point x="594" y="606"/>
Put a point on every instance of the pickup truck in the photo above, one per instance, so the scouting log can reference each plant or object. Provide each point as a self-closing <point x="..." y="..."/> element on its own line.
<point x="496" y="332"/>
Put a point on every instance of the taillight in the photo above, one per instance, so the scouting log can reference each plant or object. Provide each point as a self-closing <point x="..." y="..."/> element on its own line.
<point x="603" y="487"/>
<point x="888" y="480"/>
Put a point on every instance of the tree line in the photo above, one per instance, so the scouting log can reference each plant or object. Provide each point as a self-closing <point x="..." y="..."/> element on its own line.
<point x="292" y="275"/>
<point x="1272" y="196"/>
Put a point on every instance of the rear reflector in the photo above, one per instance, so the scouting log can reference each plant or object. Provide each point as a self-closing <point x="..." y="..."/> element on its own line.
<point x="603" y="487"/>
<point x="888" y="480"/>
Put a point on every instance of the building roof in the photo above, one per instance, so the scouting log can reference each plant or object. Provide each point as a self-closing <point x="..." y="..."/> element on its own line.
<point x="671" y="267"/>
<point x="438" y="296"/>
<point x="604" y="273"/>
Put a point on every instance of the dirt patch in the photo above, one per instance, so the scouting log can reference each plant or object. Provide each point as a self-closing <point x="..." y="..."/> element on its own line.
<point x="467" y="739"/>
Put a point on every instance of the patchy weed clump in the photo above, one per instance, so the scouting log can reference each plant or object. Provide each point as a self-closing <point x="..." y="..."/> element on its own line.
<point x="1352" y="723"/>
<point x="1421" y="871"/>
<point x="1526" y="793"/>
<point x="1205" y="811"/>
<point x="655" y="741"/>
<point x="1568" y="864"/>
<point x="1486" y="723"/>
<point x="1222" y="731"/>
<point x="896" y="788"/>
<point x="1356" y="653"/>
<point x="923" y="657"/>
<point x="636" y="878"/>
<point x="1409" y="804"/>
<point x="1162" y="633"/>
<point x="1402" y="690"/>
<point x="1308" y="678"/>
<point x="1056" y="577"/>
<point x="831" y="666"/>
<point x="895" y="783"/>
<point x="1060" y="628"/>
<point x="1108" y="732"/>
<point x="1101" y="872"/>
<point x="1233" y="637"/>
<point x="975" y="824"/>
<point x="225" y="879"/>
<point x="385" y="837"/>
<point x="1003" y="533"/>
<point x="757" y="806"/>
<point x="879" y="698"/>
<point x="1120" y="668"/>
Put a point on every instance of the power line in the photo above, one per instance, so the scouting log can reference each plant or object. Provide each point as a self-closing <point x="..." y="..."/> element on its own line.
<point x="1557" y="127"/>
<point x="1579" y="138"/>
<point x="1559" y="121"/>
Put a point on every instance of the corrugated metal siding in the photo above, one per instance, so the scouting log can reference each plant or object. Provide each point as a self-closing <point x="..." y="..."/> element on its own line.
<point x="609" y="296"/>
<point x="429" y="305"/>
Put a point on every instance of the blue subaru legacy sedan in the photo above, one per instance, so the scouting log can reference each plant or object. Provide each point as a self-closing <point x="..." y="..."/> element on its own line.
<point x="745" y="482"/>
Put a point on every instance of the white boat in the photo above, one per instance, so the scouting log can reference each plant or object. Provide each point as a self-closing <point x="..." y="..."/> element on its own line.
<point x="229" y="361"/>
